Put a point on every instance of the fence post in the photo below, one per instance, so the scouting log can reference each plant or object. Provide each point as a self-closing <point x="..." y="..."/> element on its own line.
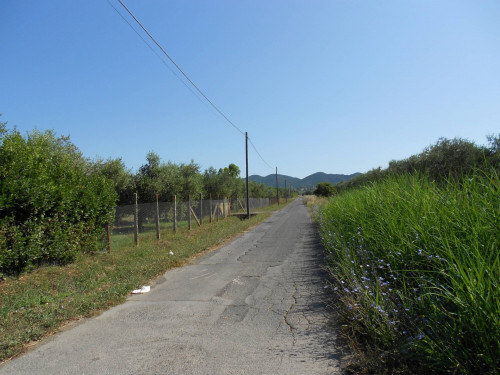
<point x="175" y="213"/>
<point x="157" y="218"/>
<point x="211" y="216"/>
<point x="224" y="207"/>
<point x="201" y="208"/>
<point x="109" y="236"/>
<point x="136" y="222"/>
<point x="218" y="208"/>
<point x="189" y="212"/>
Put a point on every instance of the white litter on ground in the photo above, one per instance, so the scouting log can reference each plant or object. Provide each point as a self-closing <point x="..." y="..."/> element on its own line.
<point x="171" y="253"/>
<point x="144" y="289"/>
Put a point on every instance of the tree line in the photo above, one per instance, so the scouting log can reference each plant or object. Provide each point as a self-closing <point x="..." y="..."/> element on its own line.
<point x="453" y="158"/>
<point x="167" y="179"/>
<point x="55" y="203"/>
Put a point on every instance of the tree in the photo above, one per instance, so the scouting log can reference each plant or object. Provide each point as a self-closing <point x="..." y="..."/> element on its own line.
<point x="149" y="180"/>
<point x="122" y="178"/>
<point x="324" y="189"/>
<point x="191" y="179"/>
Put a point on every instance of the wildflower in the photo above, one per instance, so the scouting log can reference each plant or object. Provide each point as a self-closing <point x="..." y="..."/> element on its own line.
<point x="419" y="251"/>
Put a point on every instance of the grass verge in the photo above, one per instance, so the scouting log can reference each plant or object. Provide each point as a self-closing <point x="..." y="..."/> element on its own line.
<point x="416" y="268"/>
<point x="36" y="304"/>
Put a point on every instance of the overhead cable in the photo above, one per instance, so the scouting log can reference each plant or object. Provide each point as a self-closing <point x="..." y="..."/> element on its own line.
<point x="156" y="53"/>
<point x="258" y="153"/>
<point x="180" y="70"/>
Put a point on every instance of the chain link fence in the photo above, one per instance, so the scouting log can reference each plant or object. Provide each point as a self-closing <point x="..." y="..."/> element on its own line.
<point x="156" y="216"/>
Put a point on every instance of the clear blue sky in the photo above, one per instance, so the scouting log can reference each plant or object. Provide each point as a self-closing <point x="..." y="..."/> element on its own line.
<point x="334" y="86"/>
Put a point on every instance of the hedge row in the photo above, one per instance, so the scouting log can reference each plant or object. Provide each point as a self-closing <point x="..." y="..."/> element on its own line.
<point x="54" y="203"/>
<point x="455" y="158"/>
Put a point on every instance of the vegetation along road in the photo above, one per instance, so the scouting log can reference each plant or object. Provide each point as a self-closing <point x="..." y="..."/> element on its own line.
<point x="255" y="306"/>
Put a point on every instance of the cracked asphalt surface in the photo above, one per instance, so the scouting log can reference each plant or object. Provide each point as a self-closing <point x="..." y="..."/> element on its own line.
<point x="254" y="306"/>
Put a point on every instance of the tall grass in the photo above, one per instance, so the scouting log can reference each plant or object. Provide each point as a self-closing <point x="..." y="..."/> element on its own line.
<point x="417" y="269"/>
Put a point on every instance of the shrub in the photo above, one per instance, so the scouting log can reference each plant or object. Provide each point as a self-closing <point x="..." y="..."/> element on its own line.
<point x="324" y="189"/>
<point x="456" y="158"/>
<point x="53" y="202"/>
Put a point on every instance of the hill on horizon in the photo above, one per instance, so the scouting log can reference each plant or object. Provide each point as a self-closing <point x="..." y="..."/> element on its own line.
<point x="308" y="182"/>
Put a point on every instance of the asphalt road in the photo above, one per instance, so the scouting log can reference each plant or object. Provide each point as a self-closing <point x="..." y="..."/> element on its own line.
<point x="255" y="306"/>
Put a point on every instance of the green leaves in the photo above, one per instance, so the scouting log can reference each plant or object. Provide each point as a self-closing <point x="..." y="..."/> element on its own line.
<point x="53" y="202"/>
<point x="324" y="189"/>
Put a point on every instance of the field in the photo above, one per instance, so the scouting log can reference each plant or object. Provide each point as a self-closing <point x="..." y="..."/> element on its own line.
<point x="416" y="268"/>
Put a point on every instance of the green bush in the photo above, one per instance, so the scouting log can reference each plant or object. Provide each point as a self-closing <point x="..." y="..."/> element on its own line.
<point x="54" y="203"/>
<point x="324" y="189"/>
<point x="456" y="158"/>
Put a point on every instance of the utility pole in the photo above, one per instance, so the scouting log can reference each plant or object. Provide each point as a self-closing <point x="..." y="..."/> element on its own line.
<point x="248" y="193"/>
<point x="277" y="188"/>
<point x="286" y="195"/>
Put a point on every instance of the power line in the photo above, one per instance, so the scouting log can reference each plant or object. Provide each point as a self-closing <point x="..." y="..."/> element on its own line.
<point x="180" y="70"/>
<point x="156" y="53"/>
<point x="258" y="153"/>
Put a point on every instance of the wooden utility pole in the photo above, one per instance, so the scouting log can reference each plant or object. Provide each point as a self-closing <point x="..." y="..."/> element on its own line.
<point x="248" y="193"/>
<point x="277" y="188"/>
<point x="286" y="195"/>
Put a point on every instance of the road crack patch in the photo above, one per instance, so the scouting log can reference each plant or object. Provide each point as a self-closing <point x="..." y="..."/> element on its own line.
<point x="294" y="302"/>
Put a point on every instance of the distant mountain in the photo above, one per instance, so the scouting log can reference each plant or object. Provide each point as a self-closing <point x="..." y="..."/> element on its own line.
<point x="304" y="183"/>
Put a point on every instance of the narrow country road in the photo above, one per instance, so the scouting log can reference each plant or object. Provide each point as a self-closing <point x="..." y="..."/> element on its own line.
<point x="254" y="306"/>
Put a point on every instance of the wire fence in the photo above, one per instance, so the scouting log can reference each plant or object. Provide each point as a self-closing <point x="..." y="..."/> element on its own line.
<point x="159" y="216"/>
